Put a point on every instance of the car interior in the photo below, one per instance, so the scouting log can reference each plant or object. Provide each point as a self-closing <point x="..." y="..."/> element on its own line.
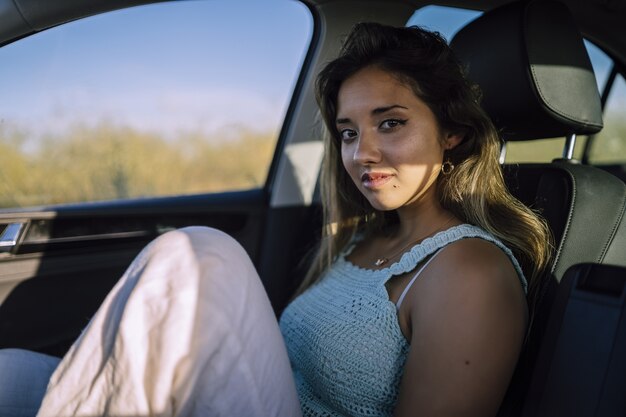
<point x="58" y="262"/>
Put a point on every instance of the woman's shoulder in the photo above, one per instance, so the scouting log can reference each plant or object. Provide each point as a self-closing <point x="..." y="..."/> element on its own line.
<point x="478" y="261"/>
<point x="479" y="253"/>
<point x="472" y="276"/>
<point x="473" y="267"/>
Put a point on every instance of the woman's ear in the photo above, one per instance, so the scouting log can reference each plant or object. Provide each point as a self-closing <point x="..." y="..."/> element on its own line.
<point x="452" y="140"/>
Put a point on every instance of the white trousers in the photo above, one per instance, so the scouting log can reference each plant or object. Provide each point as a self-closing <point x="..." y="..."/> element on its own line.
<point x="187" y="331"/>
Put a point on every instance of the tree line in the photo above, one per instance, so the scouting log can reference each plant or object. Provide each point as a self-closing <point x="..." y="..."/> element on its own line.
<point x="107" y="162"/>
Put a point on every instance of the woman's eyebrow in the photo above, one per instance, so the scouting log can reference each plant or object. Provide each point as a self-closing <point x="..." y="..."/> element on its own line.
<point x="376" y="111"/>
<point x="380" y="110"/>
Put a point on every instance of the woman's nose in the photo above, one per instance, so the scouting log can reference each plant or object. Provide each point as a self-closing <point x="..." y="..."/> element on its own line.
<point x="367" y="149"/>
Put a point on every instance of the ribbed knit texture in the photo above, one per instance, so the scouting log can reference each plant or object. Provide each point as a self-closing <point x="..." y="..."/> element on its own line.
<point x="343" y="338"/>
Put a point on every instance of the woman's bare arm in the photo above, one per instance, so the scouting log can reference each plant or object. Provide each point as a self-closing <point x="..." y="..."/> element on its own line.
<point x="468" y="319"/>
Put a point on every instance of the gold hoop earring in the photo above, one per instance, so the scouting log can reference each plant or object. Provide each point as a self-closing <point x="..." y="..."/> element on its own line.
<point x="447" y="167"/>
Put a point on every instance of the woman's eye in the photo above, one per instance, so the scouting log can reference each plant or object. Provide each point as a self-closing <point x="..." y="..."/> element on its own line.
<point x="392" y="123"/>
<point x="347" y="134"/>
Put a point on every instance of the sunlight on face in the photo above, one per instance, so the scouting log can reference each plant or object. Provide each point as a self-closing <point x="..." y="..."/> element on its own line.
<point x="391" y="142"/>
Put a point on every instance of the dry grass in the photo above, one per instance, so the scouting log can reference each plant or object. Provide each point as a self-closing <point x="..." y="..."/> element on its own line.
<point x="111" y="162"/>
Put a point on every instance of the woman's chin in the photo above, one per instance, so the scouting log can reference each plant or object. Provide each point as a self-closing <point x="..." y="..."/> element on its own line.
<point x="383" y="205"/>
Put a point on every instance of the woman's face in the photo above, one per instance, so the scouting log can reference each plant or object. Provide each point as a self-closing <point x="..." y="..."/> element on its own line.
<point x="391" y="143"/>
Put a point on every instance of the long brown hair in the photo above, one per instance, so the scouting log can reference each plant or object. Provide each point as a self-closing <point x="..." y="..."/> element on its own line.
<point x="475" y="190"/>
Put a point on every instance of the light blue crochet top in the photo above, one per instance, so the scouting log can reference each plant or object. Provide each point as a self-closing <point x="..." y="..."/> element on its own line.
<point x="344" y="342"/>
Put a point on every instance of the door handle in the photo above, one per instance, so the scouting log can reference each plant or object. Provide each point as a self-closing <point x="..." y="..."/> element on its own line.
<point x="10" y="236"/>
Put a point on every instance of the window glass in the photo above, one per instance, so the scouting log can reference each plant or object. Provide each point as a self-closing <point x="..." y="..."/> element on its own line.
<point x="165" y="99"/>
<point x="609" y="146"/>
<point x="541" y="150"/>
<point x="600" y="62"/>
<point x="445" y="20"/>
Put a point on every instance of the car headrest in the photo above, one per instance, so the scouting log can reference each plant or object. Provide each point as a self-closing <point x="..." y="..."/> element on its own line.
<point x="531" y="64"/>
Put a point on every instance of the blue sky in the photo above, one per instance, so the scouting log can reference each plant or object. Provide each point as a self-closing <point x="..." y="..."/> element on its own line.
<point x="197" y="65"/>
<point x="185" y="66"/>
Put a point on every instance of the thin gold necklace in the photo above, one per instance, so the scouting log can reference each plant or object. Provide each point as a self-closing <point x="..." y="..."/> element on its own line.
<point x="383" y="260"/>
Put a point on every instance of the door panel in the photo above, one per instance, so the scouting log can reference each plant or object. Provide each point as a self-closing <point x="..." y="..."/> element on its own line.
<point x="69" y="258"/>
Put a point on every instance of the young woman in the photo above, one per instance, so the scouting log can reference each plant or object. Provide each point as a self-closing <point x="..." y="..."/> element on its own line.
<point x="418" y="306"/>
<point x="415" y="304"/>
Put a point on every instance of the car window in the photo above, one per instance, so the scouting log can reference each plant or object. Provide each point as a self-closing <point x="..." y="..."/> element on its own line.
<point x="164" y="99"/>
<point x="609" y="146"/>
<point x="445" y="20"/>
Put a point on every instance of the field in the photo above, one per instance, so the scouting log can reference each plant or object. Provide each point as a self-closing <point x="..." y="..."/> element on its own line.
<point x="108" y="162"/>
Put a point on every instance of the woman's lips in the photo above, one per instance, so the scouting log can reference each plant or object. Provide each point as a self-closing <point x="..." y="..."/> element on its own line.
<point x="373" y="180"/>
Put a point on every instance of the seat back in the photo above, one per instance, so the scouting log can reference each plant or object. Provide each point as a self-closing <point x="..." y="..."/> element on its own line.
<point x="584" y="207"/>
<point x="537" y="82"/>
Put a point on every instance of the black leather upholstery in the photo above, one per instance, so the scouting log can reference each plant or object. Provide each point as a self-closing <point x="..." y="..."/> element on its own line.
<point x="535" y="74"/>
<point x="584" y="206"/>
<point x="537" y="82"/>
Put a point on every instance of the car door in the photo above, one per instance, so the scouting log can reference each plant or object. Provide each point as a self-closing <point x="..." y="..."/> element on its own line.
<point x="121" y="126"/>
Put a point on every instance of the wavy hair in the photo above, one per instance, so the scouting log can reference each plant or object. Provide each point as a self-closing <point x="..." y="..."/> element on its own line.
<point x="474" y="191"/>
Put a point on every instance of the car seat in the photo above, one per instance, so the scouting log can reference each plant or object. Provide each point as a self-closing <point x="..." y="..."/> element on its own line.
<point x="580" y="370"/>
<point x="537" y="82"/>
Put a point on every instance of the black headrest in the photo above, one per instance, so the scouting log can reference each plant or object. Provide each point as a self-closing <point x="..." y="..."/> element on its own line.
<point x="531" y="64"/>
